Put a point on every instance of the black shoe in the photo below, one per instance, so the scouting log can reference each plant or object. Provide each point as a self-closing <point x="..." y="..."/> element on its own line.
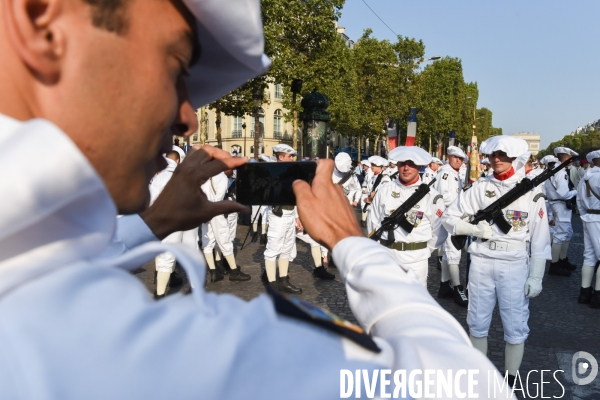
<point x="286" y="287"/>
<point x="238" y="275"/>
<point x="510" y="379"/>
<point x="567" y="265"/>
<point x="215" y="275"/>
<point x="321" y="272"/>
<point x="175" y="281"/>
<point x="263" y="239"/>
<point x="557" y="269"/>
<point x="585" y="295"/>
<point x="595" y="301"/>
<point x="445" y="290"/>
<point x="460" y="297"/>
<point x="222" y="267"/>
<point x="158" y="296"/>
<point x="274" y="285"/>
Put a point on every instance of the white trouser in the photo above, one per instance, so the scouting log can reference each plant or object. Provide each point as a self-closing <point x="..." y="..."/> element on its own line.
<point x="165" y="262"/>
<point x="591" y="240"/>
<point x="419" y="268"/>
<point x="450" y="253"/>
<point x="262" y="210"/>
<point x="305" y="237"/>
<point x="190" y="238"/>
<point x="232" y="222"/>
<point x="217" y="230"/>
<point x="281" y="237"/>
<point x="491" y="279"/>
<point x="563" y="230"/>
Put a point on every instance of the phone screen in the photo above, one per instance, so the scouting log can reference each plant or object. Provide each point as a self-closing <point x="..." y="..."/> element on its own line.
<point x="270" y="184"/>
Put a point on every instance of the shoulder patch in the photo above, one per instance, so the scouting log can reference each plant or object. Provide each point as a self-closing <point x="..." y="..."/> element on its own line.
<point x="537" y="197"/>
<point x="445" y="177"/>
<point x="436" y="198"/>
<point x="303" y="310"/>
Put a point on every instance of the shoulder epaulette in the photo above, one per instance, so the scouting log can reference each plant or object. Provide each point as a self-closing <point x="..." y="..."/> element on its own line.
<point x="436" y="198"/>
<point x="537" y="197"/>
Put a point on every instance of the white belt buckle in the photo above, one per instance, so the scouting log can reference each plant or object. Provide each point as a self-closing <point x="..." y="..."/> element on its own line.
<point x="492" y="245"/>
<point x="498" y="246"/>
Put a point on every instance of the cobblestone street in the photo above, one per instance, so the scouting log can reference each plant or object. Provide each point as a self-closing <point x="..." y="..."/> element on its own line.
<point x="559" y="325"/>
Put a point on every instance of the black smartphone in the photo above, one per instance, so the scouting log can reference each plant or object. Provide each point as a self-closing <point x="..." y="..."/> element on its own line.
<point x="270" y="184"/>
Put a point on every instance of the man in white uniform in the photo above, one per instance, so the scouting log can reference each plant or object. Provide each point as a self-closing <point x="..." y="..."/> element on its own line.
<point x="588" y="202"/>
<point x="411" y="249"/>
<point x="559" y="196"/>
<point x="368" y="175"/>
<point x="377" y="180"/>
<point x="432" y="170"/>
<point x="449" y="184"/>
<point x="507" y="268"/>
<point x="281" y="236"/>
<point x="74" y="326"/>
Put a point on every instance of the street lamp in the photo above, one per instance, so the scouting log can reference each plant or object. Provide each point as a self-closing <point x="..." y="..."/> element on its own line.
<point x="257" y="97"/>
<point x="244" y="128"/>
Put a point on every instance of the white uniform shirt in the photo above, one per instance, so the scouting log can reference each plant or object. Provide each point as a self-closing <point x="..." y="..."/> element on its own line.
<point x="426" y="215"/>
<point x="428" y="175"/>
<point x="216" y="187"/>
<point x="557" y="187"/>
<point x="527" y="215"/>
<point x="76" y="327"/>
<point x="161" y="179"/>
<point x="351" y="187"/>
<point x="585" y="202"/>
<point x="448" y="183"/>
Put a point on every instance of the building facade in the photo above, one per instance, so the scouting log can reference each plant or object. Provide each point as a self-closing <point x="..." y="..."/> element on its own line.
<point x="532" y="139"/>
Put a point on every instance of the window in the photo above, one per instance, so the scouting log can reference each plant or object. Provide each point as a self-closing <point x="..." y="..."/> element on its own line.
<point x="278" y="92"/>
<point x="277" y="124"/>
<point x="261" y="119"/>
<point x="237" y="127"/>
<point x="262" y="150"/>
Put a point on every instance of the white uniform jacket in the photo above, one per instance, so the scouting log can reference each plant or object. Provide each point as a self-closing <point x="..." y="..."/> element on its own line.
<point x="73" y="326"/>
<point x="425" y="216"/>
<point x="527" y="215"/>
<point x="428" y="175"/>
<point x="161" y="179"/>
<point x="351" y="187"/>
<point x="585" y="202"/>
<point x="448" y="183"/>
<point x="557" y="187"/>
<point x="216" y="187"/>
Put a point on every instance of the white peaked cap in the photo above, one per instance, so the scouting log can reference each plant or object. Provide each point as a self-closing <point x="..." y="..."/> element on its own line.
<point x="411" y="153"/>
<point x="590" y="156"/>
<point x="378" y="161"/>
<point x="265" y="158"/>
<point x="284" y="148"/>
<point x="455" y="151"/>
<point x="512" y="146"/>
<point x="366" y="162"/>
<point x="180" y="151"/>
<point x="232" y="47"/>
<point x="485" y="161"/>
<point x="548" y="159"/>
<point x="437" y="160"/>
<point x="343" y="162"/>
<point x="564" y="150"/>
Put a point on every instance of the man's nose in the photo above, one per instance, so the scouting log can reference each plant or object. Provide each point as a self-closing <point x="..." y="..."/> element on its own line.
<point x="186" y="123"/>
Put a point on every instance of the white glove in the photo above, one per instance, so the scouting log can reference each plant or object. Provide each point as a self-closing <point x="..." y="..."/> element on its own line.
<point x="482" y="229"/>
<point x="533" y="285"/>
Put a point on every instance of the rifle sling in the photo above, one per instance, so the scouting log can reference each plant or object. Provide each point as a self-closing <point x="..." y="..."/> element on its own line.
<point x="589" y="189"/>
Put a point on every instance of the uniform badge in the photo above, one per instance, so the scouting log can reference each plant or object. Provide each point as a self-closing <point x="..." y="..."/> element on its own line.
<point x="395" y="195"/>
<point x="445" y="176"/>
<point x="456" y="179"/>
<point x="490" y="193"/>
<point x="415" y="217"/>
<point x="439" y="213"/>
<point x="517" y="219"/>
<point x="392" y="211"/>
<point x="541" y="213"/>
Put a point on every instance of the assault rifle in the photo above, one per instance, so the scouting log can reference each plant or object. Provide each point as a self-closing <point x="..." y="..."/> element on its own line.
<point x="398" y="217"/>
<point x="493" y="213"/>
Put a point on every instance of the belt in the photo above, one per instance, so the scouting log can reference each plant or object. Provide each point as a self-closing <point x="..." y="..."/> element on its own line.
<point x="597" y="212"/>
<point x="503" y="246"/>
<point x="401" y="246"/>
<point x="288" y="208"/>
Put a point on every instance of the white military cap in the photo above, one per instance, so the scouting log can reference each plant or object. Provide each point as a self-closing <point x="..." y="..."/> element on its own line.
<point x="512" y="146"/>
<point x="564" y="150"/>
<point x="437" y="160"/>
<point x="455" y="151"/>
<point x="366" y="162"/>
<point x="343" y="162"/>
<point x="485" y="161"/>
<point x="548" y="159"/>
<point x="232" y="47"/>
<point x="378" y="161"/>
<point x="265" y="158"/>
<point x="180" y="151"/>
<point x="411" y="153"/>
<point x="591" y="155"/>
<point x="284" y="148"/>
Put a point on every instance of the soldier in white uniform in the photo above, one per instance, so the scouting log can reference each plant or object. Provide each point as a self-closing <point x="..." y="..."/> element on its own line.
<point x="392" y="168"/>
<point x="343" y="176"/>
<point x="281" y="236"/>
<point x="377" y="180"/>
<point x="59" y="301"/>
<point x="218" y="231"/>
<point x="260" y="212"/>
<point x="559" y="195"/>
<point x="432" y="170"/>
<point x="588" y="202"/>
<point x="411" y="249"/>
<point x="368" y="174"/>
<point x="449" y="184"/>
<point x="507" y="268"/>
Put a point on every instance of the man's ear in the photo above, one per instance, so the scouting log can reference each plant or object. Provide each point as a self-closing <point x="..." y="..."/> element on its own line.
<point x="35" y="36"/>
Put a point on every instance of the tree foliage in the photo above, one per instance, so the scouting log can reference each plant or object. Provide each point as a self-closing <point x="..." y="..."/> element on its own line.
<point x="582" y="143"/>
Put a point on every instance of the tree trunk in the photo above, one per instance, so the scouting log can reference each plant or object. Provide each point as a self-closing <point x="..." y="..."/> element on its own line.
<point x="203" y="130"/>
<point x="218" y="125"/>
<point x="358" y="149"/>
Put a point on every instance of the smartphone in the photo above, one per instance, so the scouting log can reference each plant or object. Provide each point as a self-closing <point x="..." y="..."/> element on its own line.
<point x="270" y="184"/>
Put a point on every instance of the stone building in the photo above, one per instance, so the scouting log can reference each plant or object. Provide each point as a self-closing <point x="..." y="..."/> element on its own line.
<point x="532" y="139"/>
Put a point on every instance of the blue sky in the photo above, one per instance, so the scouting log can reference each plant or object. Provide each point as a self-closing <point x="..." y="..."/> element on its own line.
<point x="536" y="62"/>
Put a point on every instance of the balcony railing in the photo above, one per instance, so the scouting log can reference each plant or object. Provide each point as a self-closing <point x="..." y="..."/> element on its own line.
<point x="277" y="135"/>
<point x="236" y="134"/>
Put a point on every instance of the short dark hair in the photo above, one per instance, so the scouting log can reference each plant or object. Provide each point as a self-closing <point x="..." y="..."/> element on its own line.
<point x="110" y="15"/>
<point x="174" y="155"/>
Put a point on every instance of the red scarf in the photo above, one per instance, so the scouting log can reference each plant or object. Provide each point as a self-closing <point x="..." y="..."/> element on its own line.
<point x="505" y="175"/>
<point x="410" y="183"/>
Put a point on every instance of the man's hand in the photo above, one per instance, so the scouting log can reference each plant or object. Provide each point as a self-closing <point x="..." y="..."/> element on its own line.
<point x="326" y="214"/>
<point x="182" y="205"/>
<point x="299" y="224"/>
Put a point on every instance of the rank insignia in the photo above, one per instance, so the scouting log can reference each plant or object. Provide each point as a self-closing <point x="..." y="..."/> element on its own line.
<point x="395" y="195"/>
<point x="445" y="177"/>
<point x="490" y="193"/>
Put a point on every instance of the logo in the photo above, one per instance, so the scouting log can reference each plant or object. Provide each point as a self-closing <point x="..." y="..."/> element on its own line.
<point x="490" y="193"/>
<point x="445" y="177"/>
<point x="395" y="195"/>
<point x="541" y="213"/>
<point x="581" y="368"/>
<point x="439" y="213"/>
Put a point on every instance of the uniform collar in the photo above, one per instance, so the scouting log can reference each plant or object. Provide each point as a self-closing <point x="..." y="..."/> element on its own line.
<point x="57" y="209"/>
<point x="505" y="175"/>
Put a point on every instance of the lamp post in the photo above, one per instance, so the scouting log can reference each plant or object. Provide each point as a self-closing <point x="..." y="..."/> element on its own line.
<point x="244" y="128"/>
<point x="257" y="97"/>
